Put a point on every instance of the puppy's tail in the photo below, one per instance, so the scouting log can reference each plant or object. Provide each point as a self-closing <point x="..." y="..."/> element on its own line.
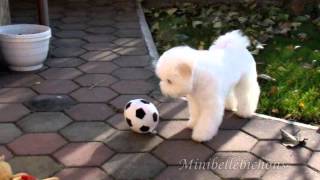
<point x="231" y="39"/>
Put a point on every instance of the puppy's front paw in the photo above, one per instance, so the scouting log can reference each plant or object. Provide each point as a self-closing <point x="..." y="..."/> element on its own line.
<point x="201" y="136"/>
<point x="191" y="123"/>
<point x="244" y="114"/>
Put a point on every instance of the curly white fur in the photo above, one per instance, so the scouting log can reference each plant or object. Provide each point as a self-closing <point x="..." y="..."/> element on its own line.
<point x="222" y="77"/>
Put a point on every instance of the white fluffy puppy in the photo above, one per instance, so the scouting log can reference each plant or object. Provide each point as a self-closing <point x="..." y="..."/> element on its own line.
<point x="222" y="77"/>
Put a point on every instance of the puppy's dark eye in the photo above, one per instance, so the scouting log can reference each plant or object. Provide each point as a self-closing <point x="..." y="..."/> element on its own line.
<point x="169" y="81"/>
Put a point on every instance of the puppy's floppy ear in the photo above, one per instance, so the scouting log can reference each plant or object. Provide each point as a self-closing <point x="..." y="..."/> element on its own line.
<point x="184" y="70"/>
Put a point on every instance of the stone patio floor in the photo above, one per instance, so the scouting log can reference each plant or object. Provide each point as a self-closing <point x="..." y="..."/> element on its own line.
<point x="65" y="119"/>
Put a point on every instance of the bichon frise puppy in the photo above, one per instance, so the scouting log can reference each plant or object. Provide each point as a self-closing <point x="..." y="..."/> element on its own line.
<point x="224" y="76"/>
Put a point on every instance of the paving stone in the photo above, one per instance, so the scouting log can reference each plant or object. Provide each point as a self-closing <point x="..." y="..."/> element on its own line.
<point x="56" y="87"/>
<point x="237" y="165"/>
<point x="15" y="95"/>
<point x="120" y="101"/>
<point x="78" y="26"/>
<point x="291" y="172"/>
<point x="99" y="38"/>
<point x="313" y="137"/>
<point x="117" y="121"/>
<point x="176" y="173"/>
<point x="127" y="25"/>
<point x="177" y="151"/>
<point x="100" y="46"/>
<point x="100" y="30"/>
<point x="273" y="151"/>
<point x="157" y="95"/>
<point x="314" y="160"/>
<point x="63" y="52"/>
<point x="129" y="42"/>
<point x="37" y="144"/>
<point x="68" y="42"/>
<point x="232" y="140"/>
<point x="8" y="132"/>
<point x="101" y="22"/>
<point x="174" y="110"/>
<point x="98" y="67"/>
<point x="129" y="33"/>
<point x="87" y="131"/>
<point x="127" y="51"/>
<point x="83" y="174"/>
<point x="96" y="80"/>
<point x="232" y="121"/>
<point x="44" y="122"/>
<point x="64" y="62"/>
<point x="133" y="61"/>
<point x="78" y="19"/>
<point x="61" y="73"/>
<point x="99" y="56"/>
<point x="19" y="80"/>
<point x="83" y="154"/>
<point x="70" y="34"/>
<point x="12" y="112"/>
<point x="127" y="141"/>
<point x="76" y="13"/>
<point x="50" y="103"/>
<point x="133" y="166"/>
<point x="7" y="154"/>
<point x="132" y="73"/>
<point x="96" y="94"/>
<point x="174" y="130"/>
<point x="89" y="112"/>
<point x="132" y="87"/>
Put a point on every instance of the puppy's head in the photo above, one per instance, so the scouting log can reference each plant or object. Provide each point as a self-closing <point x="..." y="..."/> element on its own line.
<point x="175" y="71"/>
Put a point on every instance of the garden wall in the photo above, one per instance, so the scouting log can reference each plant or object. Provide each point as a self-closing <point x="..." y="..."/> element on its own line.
<point x="4" y="12"/>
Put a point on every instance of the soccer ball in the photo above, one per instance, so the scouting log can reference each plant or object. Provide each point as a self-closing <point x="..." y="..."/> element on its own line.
<point x="141" y="116"/>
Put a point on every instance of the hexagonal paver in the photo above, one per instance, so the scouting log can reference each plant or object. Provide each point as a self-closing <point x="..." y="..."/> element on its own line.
<point x="129" y="25"/>
<point x="117" y="121"/>
<point x="232" y="140"/>
<point x="101" y="30"/>
<point x="56" y="87"/>
<point x="39" y="166"/>
<point x="100" y="22"/>
<point x="99" y="38"/>
<point x="83" y="154"/>
<point x="175" y="172"/>
<point x="68" y="42"/>
<point x="273" y="151"/>
<point x="7" y="154"/>
<point x="61" y="73"/>
<point x="96" y="94"/>
<point x="44" y="122"/>
<point x="87" y="131"/>
<point x="133" y="166"/>
<point x="157" y="95"/>
<point x="232" y="121"/>
<point x="129" y="42"/>
<point x="98" y="67"/>
<point x="237" y="165"/>
<point x="64" y="52"/>
<point x="8" y="132"/>
<point x="95" y="80"/>
<point x="291" y="172"/>
<point x="12" y="95"/>
<point x="83" y="174"/>
<point x="126" y="141"/>
<point x="19" y="80"/>
<point x="132" y="87"/>
<point x="313" y="137"/>
<point x="37" y="144"/>
<point x="100" y="46"/>
<point x="133" y="61"/>
<point x="129" y="33"/>
<point x="314" y="160"/>
<point x="174" y="110"/>
<point x="177" y="151"/>
<point x="78" y="26"/>
<point x="64" y="62"/>
<point x="174" y="130"/>
<point x="50" y="103"/>
<point x="89" y="112"/>
<point x="120" y="101"/>
<point x="127" y="51"/>
<point x="132" y="73"/>
<point x="70" y="20"/>
<point x="70" y="34"/>
<point x="99" y="56"/>
<point x="12" y="112"/>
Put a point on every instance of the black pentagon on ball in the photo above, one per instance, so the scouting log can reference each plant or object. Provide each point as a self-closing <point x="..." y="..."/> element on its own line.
<point x="144" y="101"/>
<point x="129" y="122"/>
<point x="128" y="105"/>
<point x="144" y="128"/>
<point x="155" y="117"/>
<point x="140" y="113"/>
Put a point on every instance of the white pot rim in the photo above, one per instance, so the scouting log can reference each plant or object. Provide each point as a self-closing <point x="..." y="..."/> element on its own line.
<point x="12" y="31"/>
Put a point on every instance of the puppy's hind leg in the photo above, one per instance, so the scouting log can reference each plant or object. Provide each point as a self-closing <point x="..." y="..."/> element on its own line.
<point x="247" y="92"/>
<point x="231" y="101"/>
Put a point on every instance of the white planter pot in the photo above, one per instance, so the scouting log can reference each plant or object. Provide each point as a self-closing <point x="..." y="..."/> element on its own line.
<point x="24" y="47"/>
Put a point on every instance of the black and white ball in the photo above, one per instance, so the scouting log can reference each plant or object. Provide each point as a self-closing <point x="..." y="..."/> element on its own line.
<point x="141" y="115"/>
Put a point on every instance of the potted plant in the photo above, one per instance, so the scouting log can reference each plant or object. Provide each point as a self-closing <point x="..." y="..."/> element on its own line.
<point x="24" y="47"/>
